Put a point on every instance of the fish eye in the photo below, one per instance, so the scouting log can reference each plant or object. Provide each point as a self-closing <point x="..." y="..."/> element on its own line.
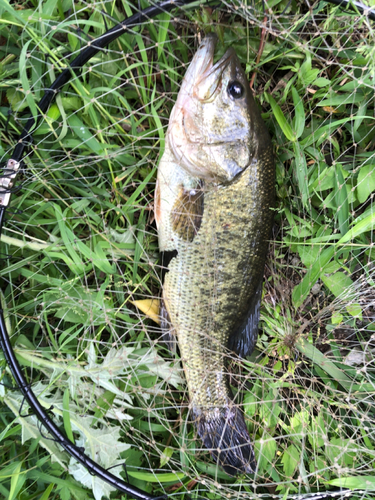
<point x="236" y="89"/>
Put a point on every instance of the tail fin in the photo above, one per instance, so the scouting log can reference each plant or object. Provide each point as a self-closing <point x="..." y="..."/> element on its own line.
<point x="223" y="431"/>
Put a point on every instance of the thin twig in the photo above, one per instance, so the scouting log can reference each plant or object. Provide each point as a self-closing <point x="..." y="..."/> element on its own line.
<point x="261" y="48"/>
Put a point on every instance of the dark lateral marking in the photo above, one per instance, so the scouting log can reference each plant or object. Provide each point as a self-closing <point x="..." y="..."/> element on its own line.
<point x="187" y="213"/>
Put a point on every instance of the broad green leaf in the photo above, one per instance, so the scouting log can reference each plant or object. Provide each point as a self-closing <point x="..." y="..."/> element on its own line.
<point x="338" y="100"/>
<point x="341" y="451"/>
<point x="270" y="409"/>
<point x="120" y="360"/>
<point x="318" y="433"/>
<point x="336" y="318"/>
<point x="66" y="416"/>
<point x="307" y="75"/>
<point x="299" y="114"/>
<point x="251" y="400"/>
<point x="338" y="283"/>
<point x="16" y="99"/>
<point x="31" y="429"/>
<point x="319" y="465"/>
<point x="103" y="404"/>
<point x="17" y="480"/>
<point x="172" y="477"/>
<point x="326" y="364"/>
<point x="301" y="172"/>
<point x="341" y="199"/>
<point x="301" y="291"/>
<point x="52" y="116"/>
<point x="97" y="487"/>
<point x="47" y="492"/>
<point x="81" y="130"/>
<point x="355" y="482"/>
<point x="104" y="446"/>
<point x="327" y="178"/>
<point x="322" y="82"/>
<point x="280" y="118"/>
<point x="299" y="228"/>
<point x="265" y="448"/>
<point x="333" y="267"/>
<point x="363" y="226"/>
<point x="365" y="182"/>
<point x="290" y="460"/>
<point x="299" y="422"/>
<point x="308" y="254"/>
<point x="354" y="310"/>
<point x="166" y="455"/>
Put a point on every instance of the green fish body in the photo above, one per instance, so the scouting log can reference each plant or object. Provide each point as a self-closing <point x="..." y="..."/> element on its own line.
<point x="215" y="191"/>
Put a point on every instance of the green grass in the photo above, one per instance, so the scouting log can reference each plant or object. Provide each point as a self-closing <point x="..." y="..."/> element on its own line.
<point x="83" y="246"/>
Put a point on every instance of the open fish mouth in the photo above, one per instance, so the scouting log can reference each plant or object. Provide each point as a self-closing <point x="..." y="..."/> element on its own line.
<point x="203" y="77"/>
<point x="208" y="75"/>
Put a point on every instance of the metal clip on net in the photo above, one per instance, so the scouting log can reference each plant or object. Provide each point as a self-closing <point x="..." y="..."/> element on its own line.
<point x="7" y="181"/>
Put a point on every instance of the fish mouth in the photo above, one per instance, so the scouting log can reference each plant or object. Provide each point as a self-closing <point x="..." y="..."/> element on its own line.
<point x="188" y="138"/>
<point x="208" y="76"/>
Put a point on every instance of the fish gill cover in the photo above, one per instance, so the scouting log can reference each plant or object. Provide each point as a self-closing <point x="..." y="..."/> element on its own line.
<point x="82" y="276"/>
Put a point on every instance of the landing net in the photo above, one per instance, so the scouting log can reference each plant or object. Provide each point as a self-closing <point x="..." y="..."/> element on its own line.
<point x="81" y="277"/>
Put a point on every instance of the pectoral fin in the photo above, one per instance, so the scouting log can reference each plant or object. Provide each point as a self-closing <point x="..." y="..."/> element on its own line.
<point x="243" y="341"/>
<point x="187" y="212"/>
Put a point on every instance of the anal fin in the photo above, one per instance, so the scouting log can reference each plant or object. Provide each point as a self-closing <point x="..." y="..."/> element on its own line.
<point x="244" y="339"/>
<point x="168" y="333"/>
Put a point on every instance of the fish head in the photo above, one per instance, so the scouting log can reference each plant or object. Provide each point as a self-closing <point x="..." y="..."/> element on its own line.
<point x="213" y="126"/>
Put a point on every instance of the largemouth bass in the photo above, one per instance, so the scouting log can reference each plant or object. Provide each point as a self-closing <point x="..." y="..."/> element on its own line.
<point x="213" y="199"/>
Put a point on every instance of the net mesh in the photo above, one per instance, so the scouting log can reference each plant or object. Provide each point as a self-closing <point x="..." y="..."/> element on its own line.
<point x="82" y="277"/>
